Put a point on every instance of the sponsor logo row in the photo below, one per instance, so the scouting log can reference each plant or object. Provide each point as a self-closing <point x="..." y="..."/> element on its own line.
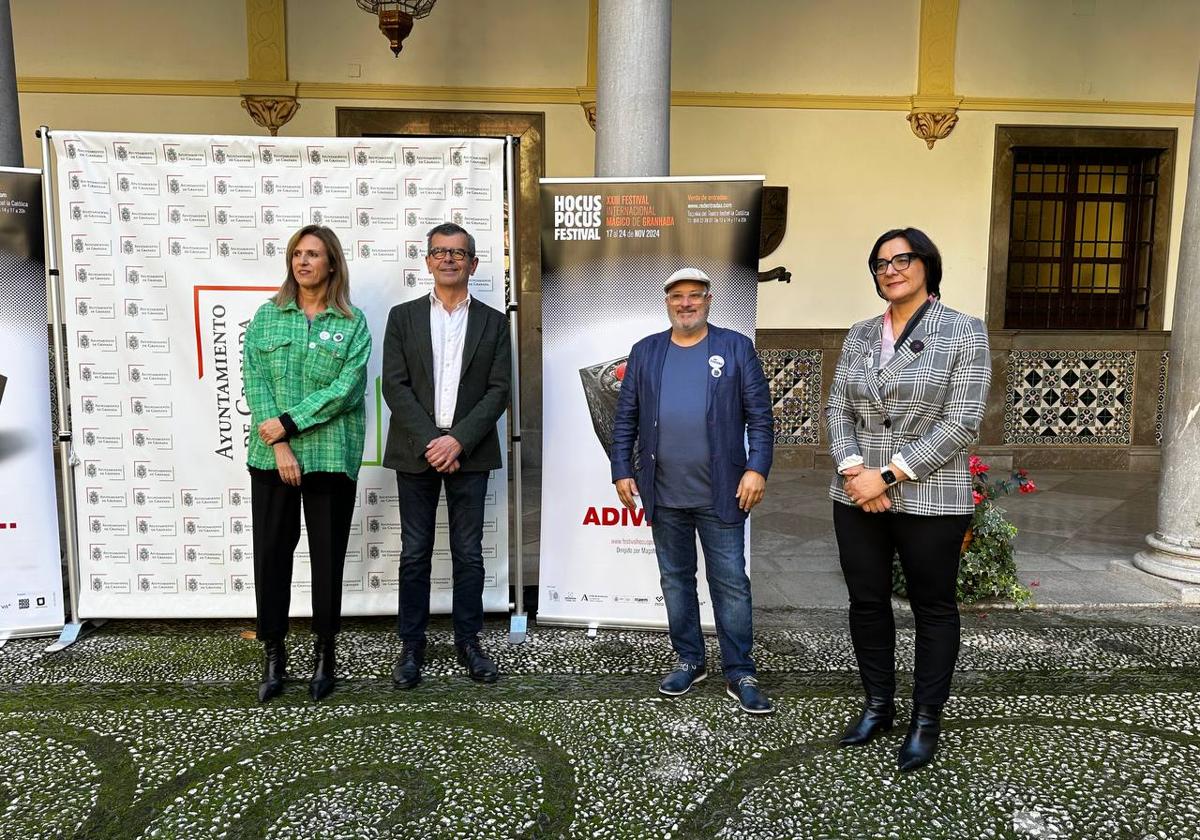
<point x="224" y="247"/>
<point x="246" y="155"/>
<point x="573" y="597"/>
<point x="225" y="185"/>
<point x="275" y="215"/>
<point x="192" y="498"/>
<point x="150" y="583"/>
<point x="198" y="526"/>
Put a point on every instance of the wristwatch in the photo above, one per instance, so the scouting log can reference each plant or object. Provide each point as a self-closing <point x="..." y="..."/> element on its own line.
<point x="889" y="477"/>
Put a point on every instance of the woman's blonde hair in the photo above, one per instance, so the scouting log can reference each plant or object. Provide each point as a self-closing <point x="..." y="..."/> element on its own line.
<point x="337" y="292"/>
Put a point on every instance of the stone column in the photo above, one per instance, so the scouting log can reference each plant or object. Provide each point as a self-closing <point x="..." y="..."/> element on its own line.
<point x="1174" y="548"/>
<point x="633" y="89"/>
<point x="10" y="126"/>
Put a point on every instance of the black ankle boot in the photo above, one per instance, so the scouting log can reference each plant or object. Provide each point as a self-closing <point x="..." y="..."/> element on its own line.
<point x="877" y="717"/>
<point x="323" y="680"/>
<point x="274" y="670"/>
<point x="920" y="743"/>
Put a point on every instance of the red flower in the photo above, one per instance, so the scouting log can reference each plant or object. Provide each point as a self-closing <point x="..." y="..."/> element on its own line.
<point x="1024" y="473"/>
<point x="1028" y="487"/>
<point x="977" y="496"/>
<point x="976" y="466"/>
<point x="1035" y="583"/>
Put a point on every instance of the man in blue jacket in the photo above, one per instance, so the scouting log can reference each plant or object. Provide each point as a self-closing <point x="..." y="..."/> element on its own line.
<point x="689" y="400"/>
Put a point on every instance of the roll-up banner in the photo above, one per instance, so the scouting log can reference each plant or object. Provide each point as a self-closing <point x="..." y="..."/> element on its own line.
<point x="170" y="243"/>
<point x="608" y="245"/>
<point x="31" y="583"/>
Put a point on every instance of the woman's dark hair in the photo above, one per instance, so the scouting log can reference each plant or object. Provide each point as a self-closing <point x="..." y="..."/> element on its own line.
<point x="923" y="247"/>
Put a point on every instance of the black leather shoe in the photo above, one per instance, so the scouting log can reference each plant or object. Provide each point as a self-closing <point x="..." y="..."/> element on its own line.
<point x="878" y="715"/>
<point x="274" y="670"/>
<point x="920" y="743"/>
<point x="323" y="679"/>
<point x="479" y="666"/>
<point x="681" y="680"/>
<point x="749" y="696"/>
<point x="407" y="672"/>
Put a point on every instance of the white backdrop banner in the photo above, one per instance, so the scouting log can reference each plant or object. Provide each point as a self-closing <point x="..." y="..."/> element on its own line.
<point x="170" y="243"/>
<point x="30" y="566"/>
<point x="607" y="248"/>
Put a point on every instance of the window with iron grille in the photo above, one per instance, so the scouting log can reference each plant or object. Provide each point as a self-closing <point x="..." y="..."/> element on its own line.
<point x="1081" y="237"/>
<point x="1080" y="218"/>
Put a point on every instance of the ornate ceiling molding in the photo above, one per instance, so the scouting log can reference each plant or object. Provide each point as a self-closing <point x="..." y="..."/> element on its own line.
<point x="573" y="96"/>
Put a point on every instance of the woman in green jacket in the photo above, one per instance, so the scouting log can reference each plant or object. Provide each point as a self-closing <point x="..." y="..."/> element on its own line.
<point x="304" y="373"/>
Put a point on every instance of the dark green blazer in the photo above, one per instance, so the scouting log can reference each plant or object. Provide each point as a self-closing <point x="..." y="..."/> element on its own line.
<point x="408" y="387"/>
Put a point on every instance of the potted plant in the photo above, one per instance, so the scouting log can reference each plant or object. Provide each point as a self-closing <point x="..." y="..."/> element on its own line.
<point x="987" y="568"/>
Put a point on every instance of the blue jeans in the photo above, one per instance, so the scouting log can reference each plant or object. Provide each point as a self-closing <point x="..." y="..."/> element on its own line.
<point x="419" y="493"/>
<point x="675" y="532"/>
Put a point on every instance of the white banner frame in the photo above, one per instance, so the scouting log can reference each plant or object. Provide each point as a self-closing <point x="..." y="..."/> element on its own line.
<point x="404" y="186"/>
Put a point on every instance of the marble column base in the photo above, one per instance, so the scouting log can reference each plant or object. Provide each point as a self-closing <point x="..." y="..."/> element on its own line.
<point x="1169" y="560"/>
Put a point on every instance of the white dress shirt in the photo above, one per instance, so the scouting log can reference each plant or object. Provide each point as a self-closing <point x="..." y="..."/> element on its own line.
<point x="448" y="329"/>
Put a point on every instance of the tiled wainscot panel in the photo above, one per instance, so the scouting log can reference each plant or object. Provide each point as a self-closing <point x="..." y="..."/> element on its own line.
<point x="1069" y="397"/>
<point x="795" y="380"/>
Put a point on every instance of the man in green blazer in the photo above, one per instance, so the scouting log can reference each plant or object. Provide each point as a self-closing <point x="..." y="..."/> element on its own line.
<point x="447" y="368"/>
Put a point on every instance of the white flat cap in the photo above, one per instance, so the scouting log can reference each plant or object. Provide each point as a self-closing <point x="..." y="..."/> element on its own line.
<point x="687" y="274"/>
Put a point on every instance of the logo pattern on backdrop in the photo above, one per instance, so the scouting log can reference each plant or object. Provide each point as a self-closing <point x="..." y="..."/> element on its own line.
<point x="170" y="245"/>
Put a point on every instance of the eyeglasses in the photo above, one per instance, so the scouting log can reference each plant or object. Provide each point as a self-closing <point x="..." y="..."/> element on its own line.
<point x="454" y="254"/>
<point x="898" y="262"/>
<point x="676" y="298"/>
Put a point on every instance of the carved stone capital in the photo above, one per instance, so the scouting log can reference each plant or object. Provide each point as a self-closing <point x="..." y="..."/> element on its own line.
<point x="932" y="126"/>
<point x="271" y="112"/>
<point x="589" y="111"/>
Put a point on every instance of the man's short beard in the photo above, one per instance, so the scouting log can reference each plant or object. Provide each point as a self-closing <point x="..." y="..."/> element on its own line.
<point x="700" y="324"/>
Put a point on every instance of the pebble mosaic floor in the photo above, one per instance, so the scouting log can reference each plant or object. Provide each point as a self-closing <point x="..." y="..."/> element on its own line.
<point x="1082" y="729"/>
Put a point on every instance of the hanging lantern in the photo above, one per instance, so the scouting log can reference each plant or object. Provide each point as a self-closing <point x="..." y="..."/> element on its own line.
<point x="396" y="18"/>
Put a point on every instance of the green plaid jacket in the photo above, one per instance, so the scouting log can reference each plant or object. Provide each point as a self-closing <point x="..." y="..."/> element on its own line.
<point x="316" y="374"/>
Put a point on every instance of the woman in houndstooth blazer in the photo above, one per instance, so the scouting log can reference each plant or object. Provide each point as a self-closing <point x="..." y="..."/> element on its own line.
<point x="907" y="398"/>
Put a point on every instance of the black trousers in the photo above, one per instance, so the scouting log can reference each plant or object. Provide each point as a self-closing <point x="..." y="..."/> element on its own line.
<point x="929" y="549"/>
<point x="466" y="493"/>
<point x="328" y="500"/>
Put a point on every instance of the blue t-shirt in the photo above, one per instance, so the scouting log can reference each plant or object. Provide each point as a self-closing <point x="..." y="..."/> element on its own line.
<point x="683" y="477"/>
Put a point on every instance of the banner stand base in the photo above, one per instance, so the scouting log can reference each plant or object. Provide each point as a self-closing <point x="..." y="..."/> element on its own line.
<point x="73" y="632"/>
<point x="518" y="625"/>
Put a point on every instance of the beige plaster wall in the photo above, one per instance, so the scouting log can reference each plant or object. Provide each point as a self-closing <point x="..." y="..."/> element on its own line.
<point x="470" y="43"/>
<point x="1130" y="50"/>
<point x="136" y="39"/>
<point x="852" y="175"/>
<point x="864" y="47"/>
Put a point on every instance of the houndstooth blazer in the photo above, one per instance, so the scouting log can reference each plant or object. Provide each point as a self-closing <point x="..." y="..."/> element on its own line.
<point x="926" y="403"/>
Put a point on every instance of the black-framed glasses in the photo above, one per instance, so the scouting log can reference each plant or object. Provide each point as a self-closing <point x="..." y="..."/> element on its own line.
<point x="898" y="262"/>
<point x="455" y="254"/>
